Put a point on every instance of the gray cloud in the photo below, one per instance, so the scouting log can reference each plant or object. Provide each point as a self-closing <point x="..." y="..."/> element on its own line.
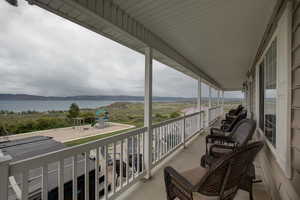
<point x="43" y="54"/>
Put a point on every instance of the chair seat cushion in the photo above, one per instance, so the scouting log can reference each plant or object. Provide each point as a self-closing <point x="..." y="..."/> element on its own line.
<point x="194" y="175"/>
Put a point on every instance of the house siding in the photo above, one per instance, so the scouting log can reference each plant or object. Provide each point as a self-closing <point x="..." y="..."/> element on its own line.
<point x="295" y="145"/>
<point x="279" y="185"/>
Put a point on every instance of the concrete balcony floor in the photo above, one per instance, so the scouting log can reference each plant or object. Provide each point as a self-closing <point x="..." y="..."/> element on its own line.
<point x="182" y="160"/>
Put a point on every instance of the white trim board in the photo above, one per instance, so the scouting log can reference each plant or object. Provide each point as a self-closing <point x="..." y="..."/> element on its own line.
<point x="283" y="34"/>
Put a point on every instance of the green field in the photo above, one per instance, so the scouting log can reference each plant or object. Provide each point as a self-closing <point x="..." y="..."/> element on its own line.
<point x="127" y="113"/>
<point x="120" y="112"/>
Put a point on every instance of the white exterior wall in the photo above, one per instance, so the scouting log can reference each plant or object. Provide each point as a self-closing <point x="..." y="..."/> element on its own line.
<point x="280" y="164"/>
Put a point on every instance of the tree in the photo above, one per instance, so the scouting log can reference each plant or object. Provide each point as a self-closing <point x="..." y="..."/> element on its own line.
<point x="74" y="111"/>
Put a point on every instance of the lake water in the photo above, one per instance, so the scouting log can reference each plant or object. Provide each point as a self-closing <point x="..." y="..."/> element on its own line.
<point x="41" y="106"/>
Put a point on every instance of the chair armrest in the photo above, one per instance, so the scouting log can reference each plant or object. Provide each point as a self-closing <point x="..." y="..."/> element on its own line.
<point x="216" y="132"/>
<point x="172" y="176"/>
<point x="228" y="120"/>
<point x="231" y="117"/>
<point x="224" y="121"/>
<point x="221" y="138"/>
<point x="219" y="150"/>
<point x="220" y="146"/>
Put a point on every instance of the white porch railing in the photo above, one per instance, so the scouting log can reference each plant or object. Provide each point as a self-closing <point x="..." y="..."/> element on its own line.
<point x="171" y="134"/>
<point x="70" y="173"/>
<point x="214" y="113"/>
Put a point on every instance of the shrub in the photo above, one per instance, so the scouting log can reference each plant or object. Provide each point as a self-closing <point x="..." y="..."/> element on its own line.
<point x="174" y="114"/>
<point x="161" y="116"/>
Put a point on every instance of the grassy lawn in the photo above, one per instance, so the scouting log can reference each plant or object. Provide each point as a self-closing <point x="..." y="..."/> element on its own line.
<point x="120" y="112"/>
<point x="133" y="114"/>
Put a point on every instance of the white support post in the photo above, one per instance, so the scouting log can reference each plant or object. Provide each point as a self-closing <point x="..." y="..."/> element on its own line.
<point x="209" y="96"/>
<point x="183" y="132"/>
<point x="219" y="103"/>
<point x="219" y="97"/>
<point x="4" y="171"/>
<point x="148" y="111"/>
<point x="199" y="103"/>
<point x="208" y="108"/>
<point x="199" y="95"/>
<point x="222" y="105"/>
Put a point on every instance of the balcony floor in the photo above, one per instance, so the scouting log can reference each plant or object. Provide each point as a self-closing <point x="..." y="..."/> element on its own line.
<point x="181" y="160"/>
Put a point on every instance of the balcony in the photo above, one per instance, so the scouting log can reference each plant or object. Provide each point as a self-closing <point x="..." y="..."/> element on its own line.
<point x="69" y="173"/>
<point x="182" y="160"/>
<point x="214" y="43"/>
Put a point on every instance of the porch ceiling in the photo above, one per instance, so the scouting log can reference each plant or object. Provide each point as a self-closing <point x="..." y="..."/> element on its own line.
<point x="220" y="37"/>
<point x="214" y="39"/>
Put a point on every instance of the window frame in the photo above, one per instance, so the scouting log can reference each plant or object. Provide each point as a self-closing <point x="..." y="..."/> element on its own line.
<point x="283" y="34"/>
<point x="261" y="94"/>
<point x="273" y="141"/>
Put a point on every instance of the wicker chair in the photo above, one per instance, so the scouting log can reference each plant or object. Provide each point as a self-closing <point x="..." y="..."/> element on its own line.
<point x="240" y="136"/>
<point x="221" y="181"/>
<point x="234" y="112"/>
<point x="228" y="125"/>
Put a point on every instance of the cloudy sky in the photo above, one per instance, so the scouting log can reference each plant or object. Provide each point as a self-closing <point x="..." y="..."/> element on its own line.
<point x="43" y="54"/>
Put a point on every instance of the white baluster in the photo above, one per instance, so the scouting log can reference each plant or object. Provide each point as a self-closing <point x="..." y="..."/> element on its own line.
<point x="114" y="169"/>
<point x="184" y="131"/>
<point x="127" y="159"/>
<point x="45" y="182"/>
<point x="75" y="177"/>
<point x="121" y="165"/>
<point x="87" y="176"/>
<point x="138" y="153"/>
<point x="132" y="157"/>
<point x="25" y="185"/>
<point x="97" y="160"/>
<point x="106" y="172"/>
<point x="61" y="179"/>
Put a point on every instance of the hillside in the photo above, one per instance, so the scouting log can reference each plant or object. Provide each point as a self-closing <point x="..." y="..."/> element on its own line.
<point x="23" y="97"/>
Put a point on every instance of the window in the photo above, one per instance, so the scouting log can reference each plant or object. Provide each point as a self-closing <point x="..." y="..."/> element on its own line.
<point x="274" y="82"/>
<point x="268" y="93"/>
<point x="261" y="96"/>
<point x="271" y="93"/>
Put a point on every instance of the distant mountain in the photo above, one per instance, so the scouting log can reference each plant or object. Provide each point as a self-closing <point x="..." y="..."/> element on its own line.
<point x="22" y="97"/>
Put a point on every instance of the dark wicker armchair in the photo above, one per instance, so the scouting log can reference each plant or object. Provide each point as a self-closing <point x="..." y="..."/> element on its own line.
<point x="228" y="125"/>
<point x="234" y="112"/>
<point x="240" y="135"/>
<point x="222" y="180"/>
